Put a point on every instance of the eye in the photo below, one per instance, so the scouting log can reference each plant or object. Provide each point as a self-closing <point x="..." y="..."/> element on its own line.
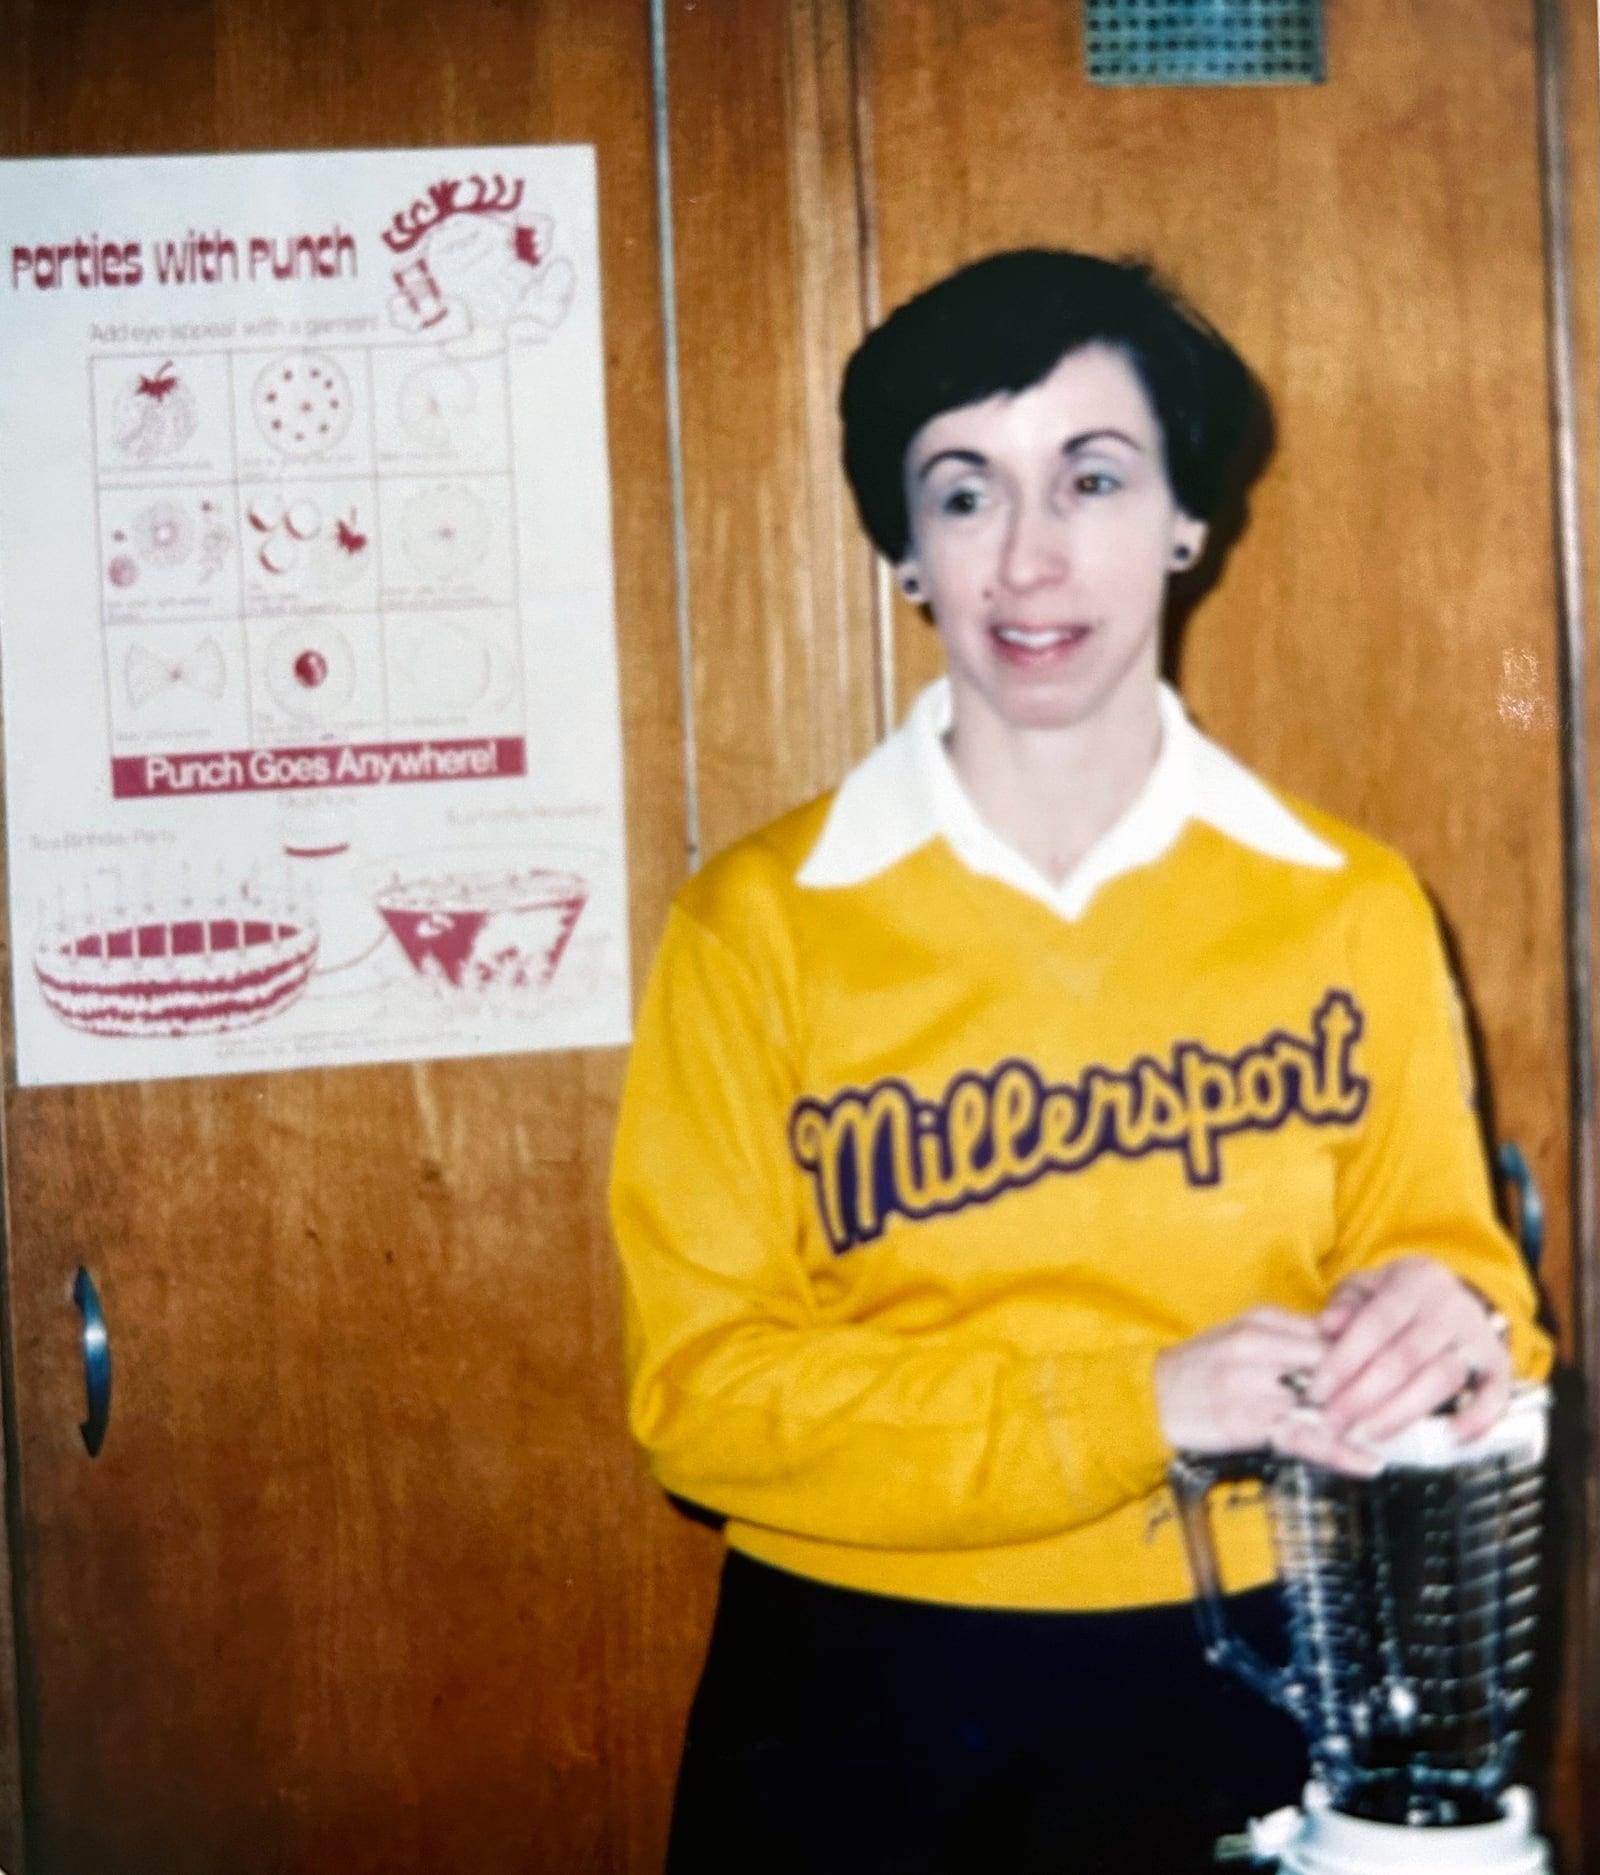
<point x="1095" y="482"/>
<point x="961" y="500"/>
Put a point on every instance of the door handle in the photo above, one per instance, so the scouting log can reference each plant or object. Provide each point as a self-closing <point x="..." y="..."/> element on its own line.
<point x="96" y="1362"/>
<point x="1513" y="1166"/>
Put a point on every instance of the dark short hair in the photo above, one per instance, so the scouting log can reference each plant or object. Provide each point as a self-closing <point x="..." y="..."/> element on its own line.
<point x="1002" y="324"/>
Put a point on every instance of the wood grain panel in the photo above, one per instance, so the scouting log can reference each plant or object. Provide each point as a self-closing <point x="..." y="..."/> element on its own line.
<point x="769" y="306"/>
<point x="1384" y="638"/>
<point x="1579" y="1758"/>
<point x="368" y="1576"/>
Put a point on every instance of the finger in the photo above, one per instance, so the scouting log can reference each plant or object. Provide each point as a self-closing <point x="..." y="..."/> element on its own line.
<point x="1220" y="1391"/>
<point x="1394" y="1369"/>
<point x="1253" y="1426"/>
<point x="1346" y="1300"/>
<point x="1429" y="1386"/>
<point x="1451" y="1319"/>
<point x="1278" y="1369"/>
<point x="1338" y="1314"/>
<point x="1271" y="1387"/>
<point x="1483" y="1406"/>
<point x="1385" y="1316"/>
<point x="1248" y="1395"/>
<point x="1414" y="1285"/>
<point x="1307" y="1435"/>
<point x="1288" y="1321"/>
<point x="1271" y="1348"/>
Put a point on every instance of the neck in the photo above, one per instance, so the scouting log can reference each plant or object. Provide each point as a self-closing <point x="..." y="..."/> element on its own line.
<point x="1051" y="793"/>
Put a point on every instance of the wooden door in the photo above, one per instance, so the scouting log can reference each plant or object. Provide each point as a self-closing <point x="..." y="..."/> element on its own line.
<point x="367" y="1576"/>
<point x="1385" y="640"/>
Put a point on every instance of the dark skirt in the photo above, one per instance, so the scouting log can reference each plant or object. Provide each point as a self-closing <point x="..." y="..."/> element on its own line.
<point x="842" y="1733"/>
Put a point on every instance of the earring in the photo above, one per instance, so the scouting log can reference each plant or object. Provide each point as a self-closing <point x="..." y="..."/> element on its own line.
<point x="911" y="586"/>
<point x="1182" y="555"/>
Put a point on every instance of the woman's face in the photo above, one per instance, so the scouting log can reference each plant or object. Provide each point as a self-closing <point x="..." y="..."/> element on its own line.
<point x="1043" y="531"/>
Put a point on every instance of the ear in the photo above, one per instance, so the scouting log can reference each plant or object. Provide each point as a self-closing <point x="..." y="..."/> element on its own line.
<point x="1188" y="543"/>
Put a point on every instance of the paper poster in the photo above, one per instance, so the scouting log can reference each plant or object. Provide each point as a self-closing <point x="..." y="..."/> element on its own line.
<point x="306" y="624"/>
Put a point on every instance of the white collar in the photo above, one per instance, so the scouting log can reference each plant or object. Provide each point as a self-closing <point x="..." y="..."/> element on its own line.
<point x="906" y="793"/>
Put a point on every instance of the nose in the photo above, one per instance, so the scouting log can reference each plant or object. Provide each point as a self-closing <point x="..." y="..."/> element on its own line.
<point x="1034" y="552"/>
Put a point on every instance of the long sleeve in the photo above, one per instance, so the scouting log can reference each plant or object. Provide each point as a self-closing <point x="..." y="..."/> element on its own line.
<point x="747" y="1399"/>
<point x="1414" y="1178"/>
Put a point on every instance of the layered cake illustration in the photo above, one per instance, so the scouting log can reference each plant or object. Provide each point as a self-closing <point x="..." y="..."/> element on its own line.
<point x="193" y="974"/>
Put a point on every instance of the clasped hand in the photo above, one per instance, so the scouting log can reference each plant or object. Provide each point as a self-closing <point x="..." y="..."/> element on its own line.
<point x="1391" y="1346"/>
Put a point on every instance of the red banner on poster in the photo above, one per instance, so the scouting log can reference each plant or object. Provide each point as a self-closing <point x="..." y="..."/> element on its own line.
<point x="339" y="765"/>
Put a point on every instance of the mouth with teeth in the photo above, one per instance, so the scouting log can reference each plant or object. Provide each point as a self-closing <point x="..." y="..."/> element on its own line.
<point x="1033" y="646"/>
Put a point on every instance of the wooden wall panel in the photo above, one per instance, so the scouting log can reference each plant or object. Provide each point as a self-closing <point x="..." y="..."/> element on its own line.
<point x="769" y="306"/>
<point x="1579" y="1765"/>
<point x="369" y="1575"/>
<point x="1384" y="640"/>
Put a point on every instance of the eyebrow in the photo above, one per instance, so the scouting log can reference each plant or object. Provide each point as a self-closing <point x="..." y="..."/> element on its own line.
<point x="951" y="455"/>
<point x="1074" y="443"/>
<point x="1070" y="447"/>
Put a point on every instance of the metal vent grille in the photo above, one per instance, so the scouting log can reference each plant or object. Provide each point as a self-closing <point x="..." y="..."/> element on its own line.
<point x="1204" y="42"/>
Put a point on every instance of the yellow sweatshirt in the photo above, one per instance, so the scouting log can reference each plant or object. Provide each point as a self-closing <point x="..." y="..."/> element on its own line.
<point x="917" y="1173"/>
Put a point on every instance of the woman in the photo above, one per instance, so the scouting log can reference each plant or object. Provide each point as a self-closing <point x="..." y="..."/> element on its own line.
<point x="1051" y="1097"/>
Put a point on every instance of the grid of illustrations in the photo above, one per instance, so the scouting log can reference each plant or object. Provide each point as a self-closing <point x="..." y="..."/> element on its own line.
<point x="1204" y="42"/>
<point x="305" y="547"/>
